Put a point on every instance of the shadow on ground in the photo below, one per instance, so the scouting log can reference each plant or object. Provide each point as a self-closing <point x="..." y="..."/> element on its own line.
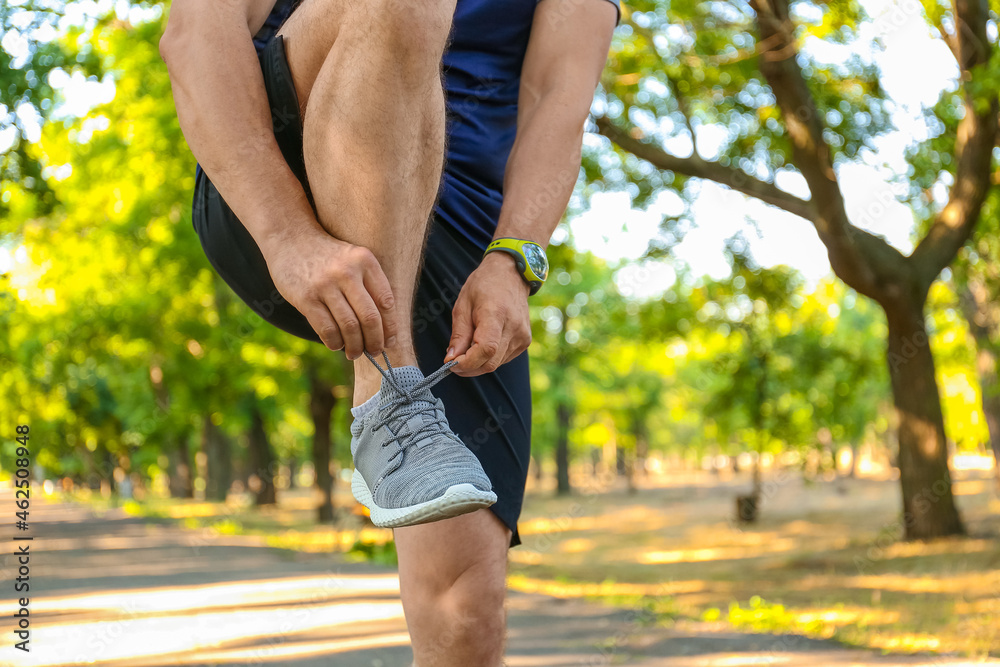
<point x="121" y="591"/>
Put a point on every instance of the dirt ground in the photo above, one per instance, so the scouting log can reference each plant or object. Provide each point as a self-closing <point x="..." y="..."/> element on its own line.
<point x="108" y="588"/>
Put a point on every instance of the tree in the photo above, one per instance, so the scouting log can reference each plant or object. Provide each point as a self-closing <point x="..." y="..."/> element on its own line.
<point x="575" y="318"/>
<point x="983" y="316"/>
<point x="26" y="93"/>
<point x="827" y="114"/>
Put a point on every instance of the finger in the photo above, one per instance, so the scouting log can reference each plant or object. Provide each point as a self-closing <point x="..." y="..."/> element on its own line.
<point x="487" y="342"/>
<point x="381" y="293"/>
<point x="492" y="362"/>
<point x="369" y="316"/>
<point x="325" y="326"/>
<point x="348" y="322"/>
<point x="461" y="330"/>
<point x="519" y="342"/>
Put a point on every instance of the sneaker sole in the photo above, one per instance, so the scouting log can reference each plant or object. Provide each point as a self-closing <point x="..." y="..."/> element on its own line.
<point x="457" y="500"/>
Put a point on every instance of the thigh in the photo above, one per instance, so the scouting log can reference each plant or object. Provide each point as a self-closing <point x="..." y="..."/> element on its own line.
<point x="309" y="34"/>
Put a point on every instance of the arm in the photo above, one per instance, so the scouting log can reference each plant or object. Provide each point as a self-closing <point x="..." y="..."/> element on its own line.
<point x="566" y="54"/>
<point x="225" y="116"/>
<point x="224" y="113"/>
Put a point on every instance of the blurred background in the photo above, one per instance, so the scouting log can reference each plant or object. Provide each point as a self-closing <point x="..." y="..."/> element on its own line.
<point x="765" y="361"/>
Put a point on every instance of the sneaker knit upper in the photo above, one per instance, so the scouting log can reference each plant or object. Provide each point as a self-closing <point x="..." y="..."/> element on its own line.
<point x="405" y="449"/>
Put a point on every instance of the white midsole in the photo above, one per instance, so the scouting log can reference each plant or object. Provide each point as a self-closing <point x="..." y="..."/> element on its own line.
<point x="458" y="499"/>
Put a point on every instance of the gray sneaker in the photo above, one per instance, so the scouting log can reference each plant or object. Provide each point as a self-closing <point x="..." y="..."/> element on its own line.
<point x="410" y="467"/>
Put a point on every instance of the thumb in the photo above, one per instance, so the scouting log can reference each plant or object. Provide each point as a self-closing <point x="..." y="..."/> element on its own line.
<point x="461" y="330"/>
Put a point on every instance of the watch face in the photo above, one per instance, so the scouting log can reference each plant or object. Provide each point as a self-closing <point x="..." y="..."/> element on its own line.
<point x="537" y="261"/>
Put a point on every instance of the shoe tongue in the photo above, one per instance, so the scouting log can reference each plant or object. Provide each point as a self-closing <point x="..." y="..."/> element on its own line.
<point x="413" y="416"/>
<point x="406" y="377"/>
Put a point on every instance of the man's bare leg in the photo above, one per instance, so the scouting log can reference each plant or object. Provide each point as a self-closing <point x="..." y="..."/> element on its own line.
<point x="453" y="580"/>
<point x="368" y="76"/>
<point x="368" y="80"/>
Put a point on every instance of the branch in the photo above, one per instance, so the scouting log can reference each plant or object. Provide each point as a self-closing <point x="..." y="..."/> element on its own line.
<point x="682" y="104"/>
<point x="851" y="258"/>
<point x="713" y="171"/>
<point x="974" y="141"/>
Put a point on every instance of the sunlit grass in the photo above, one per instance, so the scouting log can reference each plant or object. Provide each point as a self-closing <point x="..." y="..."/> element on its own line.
<point x="825" y="560"/>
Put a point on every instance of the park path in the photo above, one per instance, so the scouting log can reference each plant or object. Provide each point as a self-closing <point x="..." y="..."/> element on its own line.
<point x="122" y="591"/>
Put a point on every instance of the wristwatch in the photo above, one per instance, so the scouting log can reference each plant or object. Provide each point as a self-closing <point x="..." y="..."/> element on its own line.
<point x="529" y="256"/>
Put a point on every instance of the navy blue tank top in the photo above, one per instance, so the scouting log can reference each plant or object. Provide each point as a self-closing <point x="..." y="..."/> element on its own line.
<point x="482" y="76"/>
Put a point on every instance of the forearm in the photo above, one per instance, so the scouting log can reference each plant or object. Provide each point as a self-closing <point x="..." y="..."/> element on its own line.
<point x="223" y="111"/>
<point x="543" y="167"/>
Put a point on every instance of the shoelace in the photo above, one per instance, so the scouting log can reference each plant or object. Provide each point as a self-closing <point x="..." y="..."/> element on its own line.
<point x="403" y="397"/>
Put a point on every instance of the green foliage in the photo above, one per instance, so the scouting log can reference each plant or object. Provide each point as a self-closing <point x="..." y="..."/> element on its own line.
<point x="683" y="68"/>
<point x="121" y="337"/>
<point x="383" y="553"/>
<point x="120" y="340"/>
<point x="762" y="616"/>
<point x="26" y="92"/>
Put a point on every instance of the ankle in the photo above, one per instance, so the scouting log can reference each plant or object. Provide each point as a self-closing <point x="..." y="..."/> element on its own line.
<point x="368" y="380"/>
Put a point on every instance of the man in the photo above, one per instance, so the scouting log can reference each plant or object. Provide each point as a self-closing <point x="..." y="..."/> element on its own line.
<point x="326" y="200"/>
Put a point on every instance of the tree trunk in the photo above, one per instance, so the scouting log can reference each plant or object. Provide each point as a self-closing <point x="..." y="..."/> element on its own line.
<point x="181" y="479"/>
<point x="321" y="404"/>
<point x="641" y="432"/>
<point x="262" y="461"/>
<point x="621" y="461"/>
<point x="630" y="473"/>
<point x="989" y="366"/>
<point x="563" y="417"/>
<point x="218" y="461"/>
<point x="855" y="450"/>
<point x="929" y="509"/>
<point x="985" y="329"/>
<point x="757" y="485"/>
<point x="760" y="391"/>
<point x="107" y="465"/>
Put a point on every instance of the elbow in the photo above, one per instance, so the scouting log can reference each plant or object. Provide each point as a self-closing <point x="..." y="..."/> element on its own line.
<point x="167" y="47"/>
<point x="177" y="36"/>
<point x="170" y="42"/>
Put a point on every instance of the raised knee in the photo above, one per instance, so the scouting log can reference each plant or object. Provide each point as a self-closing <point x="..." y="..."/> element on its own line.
<point x="470" y="619"/>
<point x="476" y="605"/>
<point x="417" y="29"/>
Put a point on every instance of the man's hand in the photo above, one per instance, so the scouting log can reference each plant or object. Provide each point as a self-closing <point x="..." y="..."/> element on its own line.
<point x="566" y="53"/>
<point x="339" y="287"/>
<point x="490" y="322"/>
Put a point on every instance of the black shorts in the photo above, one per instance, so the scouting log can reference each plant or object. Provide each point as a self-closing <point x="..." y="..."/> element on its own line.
<point x="491" y="412"/>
